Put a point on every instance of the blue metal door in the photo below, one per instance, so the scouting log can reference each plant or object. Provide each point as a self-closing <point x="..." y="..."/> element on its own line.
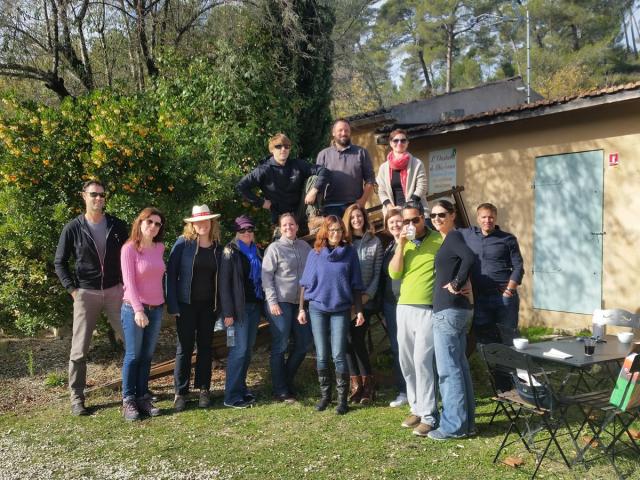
<point x="567" y="248"/>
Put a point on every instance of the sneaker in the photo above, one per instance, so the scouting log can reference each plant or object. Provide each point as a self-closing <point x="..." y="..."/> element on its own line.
<point x="439" y="435"/>
<point x="400" y="400"/>
<point x="422" y="430"/>
<point x="240" y="404"/>
<point x="130" y="410"/>
<point x="79" y="410"/>
<point x="249" y="397"/>
<point x="146" y="406"/>
<point x="411" y="421"/>
<point x="180" y="403"/>
<point x="204" y="401"/>
<point x="285" y="398"/>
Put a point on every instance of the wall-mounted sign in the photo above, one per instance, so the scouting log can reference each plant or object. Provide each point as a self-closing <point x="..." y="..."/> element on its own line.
<point x="442" y="170"/>
<point x="613" y="159"/>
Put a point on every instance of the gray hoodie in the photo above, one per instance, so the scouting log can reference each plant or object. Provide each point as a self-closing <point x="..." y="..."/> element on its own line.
<point x="282" y="268"/>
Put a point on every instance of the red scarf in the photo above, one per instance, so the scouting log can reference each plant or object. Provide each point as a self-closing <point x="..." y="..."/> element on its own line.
<point x="400" y="164"/>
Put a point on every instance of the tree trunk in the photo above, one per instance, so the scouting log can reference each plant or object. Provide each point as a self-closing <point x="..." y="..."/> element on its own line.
<point x="425" y="72"/>
<point x="450" y="40"/>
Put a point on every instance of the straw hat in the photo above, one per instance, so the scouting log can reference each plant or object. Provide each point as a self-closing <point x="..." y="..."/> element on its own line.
<point x="201" y="212"/>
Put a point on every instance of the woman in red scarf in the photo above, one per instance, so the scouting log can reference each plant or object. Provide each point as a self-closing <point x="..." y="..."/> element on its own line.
<point x="402" y="178"/>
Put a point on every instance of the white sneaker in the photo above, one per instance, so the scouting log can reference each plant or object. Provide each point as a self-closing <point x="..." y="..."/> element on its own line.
<point x="400" y="400"/>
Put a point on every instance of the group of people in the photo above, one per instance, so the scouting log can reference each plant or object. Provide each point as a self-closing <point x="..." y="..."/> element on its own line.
<point x="323" y="294"/>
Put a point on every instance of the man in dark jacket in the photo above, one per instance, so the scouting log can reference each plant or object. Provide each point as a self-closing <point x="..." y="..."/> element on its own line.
<point x="282" y="181"/>
<point x="94" y="240"/>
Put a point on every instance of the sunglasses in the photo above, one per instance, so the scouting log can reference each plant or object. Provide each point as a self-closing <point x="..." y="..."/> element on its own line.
<point x="439" y="215"/>
<point x="399" y="140"/>
<point x="150" y="222"/>
<point x="280" y="147"/>
<point x="97" y="194"/>
<point x="414" y="220"/>
<point x="245" y="230"/>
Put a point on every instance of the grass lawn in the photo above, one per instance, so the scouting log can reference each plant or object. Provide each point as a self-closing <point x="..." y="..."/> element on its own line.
<point x="269" y="441"/>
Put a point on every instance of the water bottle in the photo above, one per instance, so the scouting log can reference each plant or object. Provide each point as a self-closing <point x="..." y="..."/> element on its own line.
<point x="231" y="336"/>
<point x="411" y="232"/>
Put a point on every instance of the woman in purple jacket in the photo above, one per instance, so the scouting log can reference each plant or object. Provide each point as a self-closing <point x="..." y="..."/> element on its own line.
<point x="332" y="283"/>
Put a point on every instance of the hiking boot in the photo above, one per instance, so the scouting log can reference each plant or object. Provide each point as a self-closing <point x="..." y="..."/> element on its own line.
<point x="400" y="400"/>
<point x="79" y="410"/>
<point x="204" y="401"/>
<point x="146" y="406"/>
<point x="411" y="421"/>
<point x="422" y="430"/>
<point x="180" y="403"/>
<point x="130" y="410"/>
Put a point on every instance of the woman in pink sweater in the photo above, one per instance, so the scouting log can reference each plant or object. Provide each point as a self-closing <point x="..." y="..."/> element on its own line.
<point x="143" y="269"/>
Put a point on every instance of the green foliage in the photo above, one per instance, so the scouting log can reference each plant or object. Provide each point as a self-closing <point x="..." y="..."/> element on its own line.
<point x="186" y="141"/>
<point x="55" y="379"/>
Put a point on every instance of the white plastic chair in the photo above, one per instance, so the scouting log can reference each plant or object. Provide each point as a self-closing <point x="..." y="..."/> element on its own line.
<point x="614" y="316"/>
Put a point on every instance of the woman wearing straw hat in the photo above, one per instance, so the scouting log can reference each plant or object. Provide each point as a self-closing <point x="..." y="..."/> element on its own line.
<point x="192" y="296"/>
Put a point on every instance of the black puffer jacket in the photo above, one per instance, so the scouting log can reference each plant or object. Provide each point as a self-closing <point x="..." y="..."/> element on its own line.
<point x="91" y="272"/>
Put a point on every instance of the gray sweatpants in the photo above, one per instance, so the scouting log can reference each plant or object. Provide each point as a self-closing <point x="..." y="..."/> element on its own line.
<point x="87" y="306"/>
<point x="417" y="360"/>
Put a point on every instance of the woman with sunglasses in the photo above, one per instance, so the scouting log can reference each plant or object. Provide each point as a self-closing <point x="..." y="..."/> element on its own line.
<point x="332" y="283"/>
<point x="192" y="296"/>
<point x="143" y="270"/>
<point x="241" y="297"/>
<point x="452" y="313"/>
<point x="389" y="291"/>
<point x="402" y="178"/>
<point x="282" y="180"/>
<point x="369" y="250"/>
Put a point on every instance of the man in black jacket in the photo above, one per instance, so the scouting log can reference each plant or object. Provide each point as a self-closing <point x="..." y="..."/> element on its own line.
<point x="282" y="181"/>
<point x="94" y="240"/>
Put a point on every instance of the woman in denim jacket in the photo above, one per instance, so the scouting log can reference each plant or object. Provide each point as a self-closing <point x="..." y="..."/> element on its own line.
<point x="192" y="296"/>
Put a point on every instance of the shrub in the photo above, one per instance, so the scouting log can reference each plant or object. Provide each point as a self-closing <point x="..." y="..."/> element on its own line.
<point x="186" y="141"/>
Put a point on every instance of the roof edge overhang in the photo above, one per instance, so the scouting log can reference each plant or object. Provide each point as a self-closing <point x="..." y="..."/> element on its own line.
<point x="494" y="118"/>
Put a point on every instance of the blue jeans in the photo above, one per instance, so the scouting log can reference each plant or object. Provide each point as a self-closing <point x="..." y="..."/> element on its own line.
<point x="283" y="327"/>
<point x="139" y="345"/>
<point x="330" y="337"/>
<point x="389" y="310"/>
<point x="246" y="329"/>
<point x="337" y="210"/>
<point x="495" y="318"/>
<point x="454" y="376"/>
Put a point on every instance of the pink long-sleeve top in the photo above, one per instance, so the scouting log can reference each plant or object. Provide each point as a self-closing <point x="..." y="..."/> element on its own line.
<point x="142" y="274"/>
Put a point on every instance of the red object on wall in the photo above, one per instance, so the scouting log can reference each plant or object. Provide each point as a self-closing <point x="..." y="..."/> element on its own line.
<point x="613" y="159"/>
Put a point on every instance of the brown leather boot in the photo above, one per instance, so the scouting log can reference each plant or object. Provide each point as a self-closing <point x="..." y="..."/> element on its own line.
<point x="356" y="389"/>
<point x="367" y="390"/>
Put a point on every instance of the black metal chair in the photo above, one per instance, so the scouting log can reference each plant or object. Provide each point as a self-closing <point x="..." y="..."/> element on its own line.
<point x="531" y="407"/>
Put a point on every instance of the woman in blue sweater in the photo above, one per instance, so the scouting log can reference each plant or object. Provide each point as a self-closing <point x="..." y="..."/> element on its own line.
<point x="332" y="283"/>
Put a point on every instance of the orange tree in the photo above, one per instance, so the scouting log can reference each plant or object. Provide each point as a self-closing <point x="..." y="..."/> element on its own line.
<point x="185" y="141"/>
